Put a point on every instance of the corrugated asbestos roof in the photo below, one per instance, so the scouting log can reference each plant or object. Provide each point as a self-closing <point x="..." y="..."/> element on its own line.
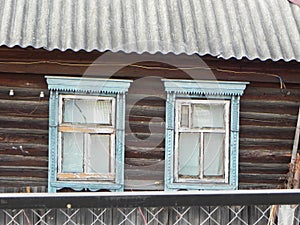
<point x="264" y="29"/>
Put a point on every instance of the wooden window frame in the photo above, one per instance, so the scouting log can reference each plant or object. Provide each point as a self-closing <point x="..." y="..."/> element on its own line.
<point x="86" y="129"/>
<point x="86" y="88"/>
<point x="178" y="129"/>
<point x="200" y="90"/>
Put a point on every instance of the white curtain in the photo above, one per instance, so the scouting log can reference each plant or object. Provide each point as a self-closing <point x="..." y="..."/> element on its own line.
<point x="208" y="116"/>
<point x="87" y="111"/>
<point x="72" y="153"/>
<point x="98" y="155"/>
<point x="189" y="154"/>
<point x="213" y="154"/>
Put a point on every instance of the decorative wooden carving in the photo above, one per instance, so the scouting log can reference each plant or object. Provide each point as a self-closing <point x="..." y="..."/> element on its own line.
<point x="89" y="86"/>
<point x="197" y="89"/>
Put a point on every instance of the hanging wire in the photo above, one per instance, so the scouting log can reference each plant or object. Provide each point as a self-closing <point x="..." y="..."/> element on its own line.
<point x="282" y="84"/>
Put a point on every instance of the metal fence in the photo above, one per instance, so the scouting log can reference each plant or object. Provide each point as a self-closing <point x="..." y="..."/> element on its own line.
<point x="181" y="209"/>
<point x="218" y="215"/>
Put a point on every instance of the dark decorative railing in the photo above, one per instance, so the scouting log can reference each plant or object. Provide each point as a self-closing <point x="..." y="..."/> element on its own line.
<point x="213" y="207"/>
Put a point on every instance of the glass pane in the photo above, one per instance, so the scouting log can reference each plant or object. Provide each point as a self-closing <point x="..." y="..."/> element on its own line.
<point x="208" y="115"/>
<point x="214" y="154"/>
<point x="188" y="153"/>
<point x="87" y="111"/>
<point x="184" y="116"/>
<point x="98" y="155"/>
<point x="72" y="152"/>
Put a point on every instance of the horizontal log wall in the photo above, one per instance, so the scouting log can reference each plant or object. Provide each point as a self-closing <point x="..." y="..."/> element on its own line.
<point x="23" y="131"/>
<point x="268" y="112"/>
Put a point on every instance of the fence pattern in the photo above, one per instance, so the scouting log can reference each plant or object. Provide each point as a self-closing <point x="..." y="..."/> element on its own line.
<point x="218" y="215"/>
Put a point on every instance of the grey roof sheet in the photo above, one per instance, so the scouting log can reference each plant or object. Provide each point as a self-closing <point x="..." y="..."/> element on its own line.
<point x="263" y="29"/>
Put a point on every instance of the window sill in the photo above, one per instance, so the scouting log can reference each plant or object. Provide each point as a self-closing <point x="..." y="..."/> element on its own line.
<point x="85" y="177"/>
<point x="92" y="186"/>
<point x="200" y="186"/>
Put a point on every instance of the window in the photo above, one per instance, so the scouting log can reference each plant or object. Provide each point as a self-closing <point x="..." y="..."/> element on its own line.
<point x="86" y="138"/>
<point x="86" y="142"/>
<point x="200" y="126"/>
<point x="202" y="134"/>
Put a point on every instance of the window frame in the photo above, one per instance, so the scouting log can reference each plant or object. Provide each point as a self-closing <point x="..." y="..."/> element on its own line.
<point x="178" y="103"/>
<point x="92" y="88"/>
<point x="86" y="130"/>
<point x="201" y="89"/>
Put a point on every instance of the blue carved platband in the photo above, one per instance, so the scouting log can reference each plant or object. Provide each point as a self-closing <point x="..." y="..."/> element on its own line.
<point x="206" y="87"/>
<point x="86" y="84"/>
<point x="202" y="89"/>
<point x="97" y="86"/>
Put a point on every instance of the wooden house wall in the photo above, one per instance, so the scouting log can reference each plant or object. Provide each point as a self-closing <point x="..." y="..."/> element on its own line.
<point x="267" y="119"/>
